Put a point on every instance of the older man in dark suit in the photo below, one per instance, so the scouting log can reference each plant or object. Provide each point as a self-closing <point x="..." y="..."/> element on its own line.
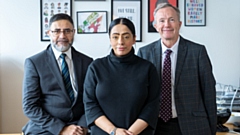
<point x="188" y="96"/>
<point x="53" y="84"/>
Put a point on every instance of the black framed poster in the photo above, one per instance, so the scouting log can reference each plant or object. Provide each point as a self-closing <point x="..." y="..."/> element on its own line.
<point x="131" y="9"/>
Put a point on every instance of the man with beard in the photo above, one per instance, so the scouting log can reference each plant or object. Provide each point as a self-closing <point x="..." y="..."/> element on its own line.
<point x="53" y="84"/>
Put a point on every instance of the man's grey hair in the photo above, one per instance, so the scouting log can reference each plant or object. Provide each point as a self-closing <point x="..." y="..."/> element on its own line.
<point x="164" y="5"/>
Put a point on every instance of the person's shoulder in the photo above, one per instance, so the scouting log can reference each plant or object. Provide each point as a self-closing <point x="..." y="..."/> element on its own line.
<point x="82" y="55"/>
<point x="39" y="55"/>
<point x="154" y="43"/>
<point x="146" y="65"/>
<point x="99" y="61"/>
<point x="150" y="45"/>
<point x="144" y="61"/>
<point x="191" y="43"/>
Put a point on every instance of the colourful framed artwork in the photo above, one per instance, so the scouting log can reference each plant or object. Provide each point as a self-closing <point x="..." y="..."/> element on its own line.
<point x="48" y="9"/>
<point x="195" y="12"/>
<point x="89" y="22"/>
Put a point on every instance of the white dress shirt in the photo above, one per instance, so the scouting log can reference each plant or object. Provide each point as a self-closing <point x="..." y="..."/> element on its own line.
<point x="173" y="57"/>
<point x="68" y="59"/>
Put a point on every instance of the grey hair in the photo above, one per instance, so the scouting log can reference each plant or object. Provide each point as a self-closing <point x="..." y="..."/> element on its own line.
<point x="164" y="5"/>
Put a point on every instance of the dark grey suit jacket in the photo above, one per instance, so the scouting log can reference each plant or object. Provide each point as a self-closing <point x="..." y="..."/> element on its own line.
<point x="45" y="99"/>
<point x="194" y="90"/>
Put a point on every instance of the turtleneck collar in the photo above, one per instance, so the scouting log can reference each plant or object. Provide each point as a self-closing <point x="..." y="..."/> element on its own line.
<point x="130" y="57"/>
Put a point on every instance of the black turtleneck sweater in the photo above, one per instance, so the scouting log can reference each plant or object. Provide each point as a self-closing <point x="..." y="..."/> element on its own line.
<point x="123" y="89"/>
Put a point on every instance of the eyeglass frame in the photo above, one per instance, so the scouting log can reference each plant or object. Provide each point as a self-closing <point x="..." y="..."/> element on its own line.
<point x="57" y="32"/>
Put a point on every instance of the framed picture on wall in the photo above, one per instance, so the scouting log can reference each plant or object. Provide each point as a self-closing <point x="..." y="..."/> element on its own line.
<point x="195" y="12"/>
<point x="131" y="9"/>
<point x="48" y="9"/>
<point x="152" y="4"/>
<point x="89" y="22"/>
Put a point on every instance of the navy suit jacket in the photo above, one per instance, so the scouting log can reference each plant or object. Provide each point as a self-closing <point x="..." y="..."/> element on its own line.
<point x="194" y="90"/>
<point x="45" y="99"/>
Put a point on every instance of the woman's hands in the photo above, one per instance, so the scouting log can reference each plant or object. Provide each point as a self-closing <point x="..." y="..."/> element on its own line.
<point x="121" y="131"/>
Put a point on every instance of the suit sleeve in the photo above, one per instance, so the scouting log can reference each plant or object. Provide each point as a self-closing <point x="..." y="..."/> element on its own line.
<point x="82" y="121"/>
<point x="208" y="88"/>
<point x="32" y="101"/>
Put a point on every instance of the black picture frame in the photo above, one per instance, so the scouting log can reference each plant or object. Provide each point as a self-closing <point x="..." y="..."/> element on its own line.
<point x="195" y="13"/>
<point x="151" y="6"/>
<point x="47" y="9"/>
<point x="92" y="22"/>
<point x="131" y="9"/>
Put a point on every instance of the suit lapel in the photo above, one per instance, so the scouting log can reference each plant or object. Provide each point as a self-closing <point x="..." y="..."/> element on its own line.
<point x="182" y="50"/>
<point x="77" y="63"/>
<point x="53" y="66"/>
<point x="157" y="55"/>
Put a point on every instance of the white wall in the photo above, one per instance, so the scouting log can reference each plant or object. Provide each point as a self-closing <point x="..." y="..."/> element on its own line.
<point x="20" y="38"/>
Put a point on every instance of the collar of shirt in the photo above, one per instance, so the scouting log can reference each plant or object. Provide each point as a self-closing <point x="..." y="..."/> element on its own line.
<point x="57" y="53"/>
<point x="70" y="65"/>
<point x="173" y="56"/>
<point x="174" y="48"/>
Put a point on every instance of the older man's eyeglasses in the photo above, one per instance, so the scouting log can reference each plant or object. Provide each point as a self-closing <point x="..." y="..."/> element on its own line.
<point x="57" y="32"/>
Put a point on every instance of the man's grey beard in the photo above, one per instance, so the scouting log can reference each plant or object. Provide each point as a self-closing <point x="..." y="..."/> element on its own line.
<point x="62" y="48"/>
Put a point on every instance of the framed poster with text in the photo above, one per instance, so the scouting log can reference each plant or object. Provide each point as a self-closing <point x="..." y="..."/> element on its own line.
<point x="195" y="12"/>
<point x="131" y="9"/>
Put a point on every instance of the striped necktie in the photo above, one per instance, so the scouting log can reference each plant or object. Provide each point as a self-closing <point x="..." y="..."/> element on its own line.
<point x="66" y="77"/>
<point x="166" y="100"/>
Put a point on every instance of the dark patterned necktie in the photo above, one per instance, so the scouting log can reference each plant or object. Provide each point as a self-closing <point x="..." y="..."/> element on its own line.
<point x="166" y="100"/>
<point x="66" y="77"/>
